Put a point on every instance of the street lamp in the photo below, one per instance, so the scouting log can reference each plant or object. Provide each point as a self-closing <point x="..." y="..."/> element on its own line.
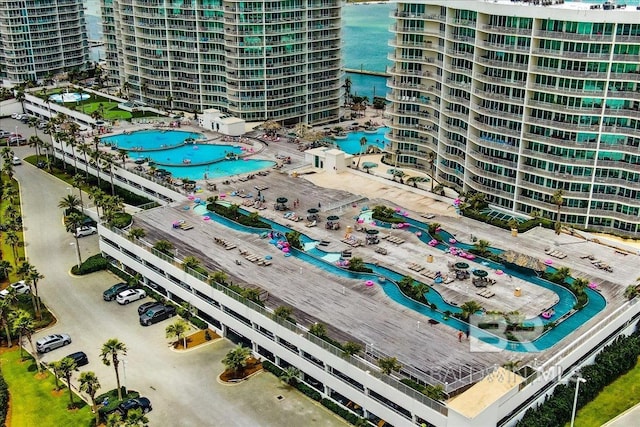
<point x="124" y="374"/>
<point x="575" y="399"/>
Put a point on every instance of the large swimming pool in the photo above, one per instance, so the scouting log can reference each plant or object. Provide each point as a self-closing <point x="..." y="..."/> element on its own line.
<point x="143" y="140"/>
<point x="548" y="339"/>
<point x="179" y="153"/>
<point x="352" y="145"/>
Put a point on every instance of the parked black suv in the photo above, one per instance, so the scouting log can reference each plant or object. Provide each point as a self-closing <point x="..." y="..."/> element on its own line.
<point x="111" y="293"/>
<point x="157" y="314"/>
<point x="80" y="357"/>
<point x="135" y="403"/>
<point x="144" y="307"/>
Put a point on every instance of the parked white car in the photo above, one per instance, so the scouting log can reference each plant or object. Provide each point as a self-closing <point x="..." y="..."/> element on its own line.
<point x="85" y="230"/>
<point x="16" y="161"/>
<point x="125" y="297"/>
<point x="20" y="287"/>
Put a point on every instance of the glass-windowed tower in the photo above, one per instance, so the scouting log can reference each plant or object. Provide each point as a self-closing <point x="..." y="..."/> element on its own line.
<point x="41" y="38"/>
<point x="518" y="100"/>
<point x="257" y="60"/>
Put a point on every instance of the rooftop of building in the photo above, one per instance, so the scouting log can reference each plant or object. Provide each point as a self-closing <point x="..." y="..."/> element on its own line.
<point x="353" y="311"/>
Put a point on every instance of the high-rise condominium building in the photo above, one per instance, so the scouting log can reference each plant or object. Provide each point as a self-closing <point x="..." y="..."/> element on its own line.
<point x="518" y="100"/>
<point x="256" y="60"/>
<point x="41" y="38"/>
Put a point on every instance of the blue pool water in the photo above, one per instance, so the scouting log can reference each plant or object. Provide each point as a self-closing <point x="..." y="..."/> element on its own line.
<point x="150" y="139"/>
<point x="320" y="259"/>
<point x="167" y="149"/>
<point x="351" y="144"/>
<point x="220" y="169"/>
<point x="188" y="154"/>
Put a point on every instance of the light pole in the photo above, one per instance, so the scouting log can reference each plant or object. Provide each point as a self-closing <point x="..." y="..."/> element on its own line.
<point x="575" y="399"/>
<point x="124" y="374"/>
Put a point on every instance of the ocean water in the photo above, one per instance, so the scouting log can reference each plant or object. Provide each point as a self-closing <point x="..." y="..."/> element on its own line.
<point x="365" y="28"/>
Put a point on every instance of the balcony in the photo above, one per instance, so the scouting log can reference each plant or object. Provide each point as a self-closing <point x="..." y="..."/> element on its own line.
<point x="506" y="30"/>
<point x="573" y="36"/>
<point x="502" y="64"/>
<point x="626" y="94"/>
<point x="490" y="190"/>
<point x="557" y="159"/>
<point x="564" y="125"/>
<point x="564" y="108"/>
<point x="491" y="175"/>
<point x="621" y="112"/>
<point x="570" y="91"/>
<point x="513" y="164"/>
<point x="573" y="73"/>
<point x="502" y="47"/>
<point x="626" y="76"/>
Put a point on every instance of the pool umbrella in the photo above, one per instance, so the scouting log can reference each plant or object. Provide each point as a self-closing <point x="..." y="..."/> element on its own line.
<point x="461" y="265"/>
<point x="282" y="200"/>
<point x="312" y="211"/>
<point x="333" y="218"/>
<point x="480" y="273"/>
<point x="372" y="232"/>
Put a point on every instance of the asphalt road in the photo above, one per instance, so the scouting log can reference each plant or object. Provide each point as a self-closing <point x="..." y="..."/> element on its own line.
<point x="181" y="386"/>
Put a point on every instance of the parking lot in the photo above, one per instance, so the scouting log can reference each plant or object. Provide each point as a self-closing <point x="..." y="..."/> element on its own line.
<point x="182" y="386"/>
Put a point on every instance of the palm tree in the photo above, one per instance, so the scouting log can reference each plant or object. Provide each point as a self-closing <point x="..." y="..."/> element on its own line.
<point x="96" y="162"/>
<point x="351" y="348"/>
<point x="20" y="97"/>
<point x="5" y="268"/>
<point x="31" y="278"/>
<point x="89" y="384"/>
<point x="55" y="367"/>
<point x="66" y="367"/>
<point x="561" y="274"/>
<point x="23" y="323"/>
<point x="125" y="87"/>
<point x="164" y="246"/>
<point x="481" y="247"/>
<point x="122" y="155"/>
<point x="110" y="162"/>
<point x="579" y="285"/>
<point x="12" y="239"/>
<point x="236" y="359"/>
<point x="85" y="150"/>
<point x="110" y="352"/>
<point x="6" y="312"/>
<point x="136" y="233"/>
<point x="35" y="141"/>
<point x="363" y="143"/>
<point x="72" y="222"/>
<point x="191" y="262"/>
<point x="219" y="277"/>
<point x="557" y="199"/>
<point x="290" y="375"/>
<point x="431" y="159"/>
<point x="469" y="308"/>
<point x="419" y="289"/>
<point x="356" y="264"/>
<point x="135" y="417"/>
<point x="78" y="181"/>
<point x="114" y="420"/>
<point x="178" y="330"/>
<point x="70" y="203"/>
<point x="388" y="365"/>
<point x="631" y="292"/>
<point x="511" y="365"/>
<point x="347" y="90"/>
<point x="98" y="197"/>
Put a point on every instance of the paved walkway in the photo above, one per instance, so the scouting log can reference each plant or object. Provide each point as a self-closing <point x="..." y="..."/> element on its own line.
<point x="628" y="418"/>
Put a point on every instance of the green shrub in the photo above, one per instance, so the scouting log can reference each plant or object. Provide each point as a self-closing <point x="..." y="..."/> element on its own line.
<point x="270" y="367"/>
<point x="613" y="361"/>
<point x="337" y="409"/>
<point x="4" y="401"/>
<point x="113" y="402"/>
<point x="309" y="392"/>
<point x="121" y="220"/>
<point x="198" y="323"/>
<point x="91" y="265"/>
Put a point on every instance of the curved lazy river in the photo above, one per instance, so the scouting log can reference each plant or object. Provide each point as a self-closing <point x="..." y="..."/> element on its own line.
<point x="326" y="261"/>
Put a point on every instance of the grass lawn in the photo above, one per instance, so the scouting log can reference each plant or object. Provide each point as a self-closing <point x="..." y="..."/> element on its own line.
<point x="110" y="110"/>
<point x="5" y="249"/>
<point x="34" y="401"/>
<point x="616" y="398"/>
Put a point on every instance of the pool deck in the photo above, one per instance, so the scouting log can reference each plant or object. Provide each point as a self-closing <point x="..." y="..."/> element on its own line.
<point x="353" y="311"/>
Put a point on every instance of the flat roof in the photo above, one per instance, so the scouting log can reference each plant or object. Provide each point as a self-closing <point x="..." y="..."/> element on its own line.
<point x="485" y="392"/>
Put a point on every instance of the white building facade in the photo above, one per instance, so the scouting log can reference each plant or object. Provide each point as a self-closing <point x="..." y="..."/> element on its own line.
<point x="255" y="60"/>
<point x="518" y="100"/>
<point x="41" y="38"/>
